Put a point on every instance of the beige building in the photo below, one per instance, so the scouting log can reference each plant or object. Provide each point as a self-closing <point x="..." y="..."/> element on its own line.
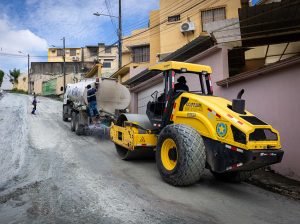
<point x="56" y="54"/>
<point x="108" y="57"/>
<point x="46" y="78"/>
<point x="22" y="82"/>
<point x="175" y="24"/>
<point x="101" y="53"/>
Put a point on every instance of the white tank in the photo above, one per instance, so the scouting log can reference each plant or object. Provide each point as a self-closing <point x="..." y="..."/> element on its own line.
<point x="111" y="95"/>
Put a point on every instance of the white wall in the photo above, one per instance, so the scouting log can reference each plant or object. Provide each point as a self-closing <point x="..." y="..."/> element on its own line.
<point x="6" y="84"/>
<point x="145" y="96"/>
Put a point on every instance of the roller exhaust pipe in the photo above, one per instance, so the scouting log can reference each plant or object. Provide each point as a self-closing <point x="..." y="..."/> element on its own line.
<point x="238" y="104"/>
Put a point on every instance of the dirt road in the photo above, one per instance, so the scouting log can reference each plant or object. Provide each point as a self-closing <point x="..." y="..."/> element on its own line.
<point x="50" y="175"/>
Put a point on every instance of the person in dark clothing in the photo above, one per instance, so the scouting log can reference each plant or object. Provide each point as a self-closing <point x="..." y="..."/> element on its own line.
<point x="181" y="85"/>
<point x="92" y="103"/>
<point x="34" y="102"/>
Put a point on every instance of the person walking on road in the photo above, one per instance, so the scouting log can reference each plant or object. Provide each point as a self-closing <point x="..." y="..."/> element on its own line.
<point x="92" y="104"/>
<point x="34" y="102"/>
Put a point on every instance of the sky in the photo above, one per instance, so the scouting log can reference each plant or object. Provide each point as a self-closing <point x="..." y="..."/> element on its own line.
<point x="31" y="26"/>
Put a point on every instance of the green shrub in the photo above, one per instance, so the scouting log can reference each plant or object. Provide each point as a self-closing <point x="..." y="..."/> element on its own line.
<point x="15" y="90"/>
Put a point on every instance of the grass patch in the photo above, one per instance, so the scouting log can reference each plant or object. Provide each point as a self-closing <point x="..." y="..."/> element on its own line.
<point x="15" y="90"/>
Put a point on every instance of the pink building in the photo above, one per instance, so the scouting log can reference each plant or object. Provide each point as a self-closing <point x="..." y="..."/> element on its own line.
<point x="259" y="52"/>
<point x="271" y="93"/>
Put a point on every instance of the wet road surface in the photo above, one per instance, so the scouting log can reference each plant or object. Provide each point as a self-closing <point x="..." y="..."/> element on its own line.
<point x="50" y="175"/>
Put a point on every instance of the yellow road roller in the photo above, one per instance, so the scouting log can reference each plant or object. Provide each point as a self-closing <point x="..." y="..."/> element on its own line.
<point x="189" y="130"/>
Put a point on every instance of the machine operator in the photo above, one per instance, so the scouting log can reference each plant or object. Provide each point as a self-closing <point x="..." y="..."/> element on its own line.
<point x="181" y="85"/>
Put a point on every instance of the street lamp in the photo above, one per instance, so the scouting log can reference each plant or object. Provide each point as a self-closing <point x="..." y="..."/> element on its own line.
<point x="102" y="14"/>
<point x="28" y="72"/>
<point x="119" y="30"/>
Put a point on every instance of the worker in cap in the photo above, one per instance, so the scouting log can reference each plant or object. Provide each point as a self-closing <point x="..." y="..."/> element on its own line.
<point x="92" y="103"/>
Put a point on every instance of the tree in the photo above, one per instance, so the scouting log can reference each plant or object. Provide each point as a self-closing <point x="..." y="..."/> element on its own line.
<point x="1" y="76"/>
<point x="15" y="73"/>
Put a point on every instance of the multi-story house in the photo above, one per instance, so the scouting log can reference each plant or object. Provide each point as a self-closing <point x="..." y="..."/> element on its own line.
<point x="175" y="24"/>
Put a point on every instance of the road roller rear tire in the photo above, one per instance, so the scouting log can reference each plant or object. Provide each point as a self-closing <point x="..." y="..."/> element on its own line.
<point x="180" y="155"/>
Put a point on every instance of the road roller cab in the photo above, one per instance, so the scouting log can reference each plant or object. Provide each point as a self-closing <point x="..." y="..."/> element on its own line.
<point x="190" y="130"/>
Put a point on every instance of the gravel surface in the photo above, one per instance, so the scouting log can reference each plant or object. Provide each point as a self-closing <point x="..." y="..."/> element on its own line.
<point x="50" y="175"/>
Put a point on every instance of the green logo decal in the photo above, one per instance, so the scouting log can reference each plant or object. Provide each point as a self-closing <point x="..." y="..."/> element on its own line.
<point x="221" y="129"/>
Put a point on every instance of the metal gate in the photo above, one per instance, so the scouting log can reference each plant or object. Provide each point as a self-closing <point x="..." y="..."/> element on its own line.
<point x="49" y="87"/>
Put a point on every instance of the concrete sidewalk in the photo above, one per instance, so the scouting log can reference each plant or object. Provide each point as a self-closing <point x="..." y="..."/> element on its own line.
<point x="269" y="180"/>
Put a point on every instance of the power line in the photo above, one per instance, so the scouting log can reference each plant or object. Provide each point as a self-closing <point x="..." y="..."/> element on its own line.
<point x="221" y="28"/>
<point x="110" y="16"/>
<point x="178" y="6"/>
<point x="170" y="10"/>
<point x="163" y="12"/>
<point x="217" y="30"/>
<point x="168" y="28"/>
<point x="164" y="21"/>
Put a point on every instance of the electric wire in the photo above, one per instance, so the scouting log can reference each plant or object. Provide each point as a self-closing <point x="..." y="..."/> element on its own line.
<point x="219" y="29"/>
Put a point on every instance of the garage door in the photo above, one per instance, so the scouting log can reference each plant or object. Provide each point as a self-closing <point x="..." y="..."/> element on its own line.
<point x="49" y="87"/>
<point x="145" y="96"/>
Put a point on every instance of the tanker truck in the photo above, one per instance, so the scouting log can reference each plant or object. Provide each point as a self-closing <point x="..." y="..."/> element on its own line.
<point x="111" y="98"/>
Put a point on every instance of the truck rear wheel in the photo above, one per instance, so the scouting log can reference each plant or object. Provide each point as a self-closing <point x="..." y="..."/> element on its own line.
<point x="73" y="120"/>
<point x="79" y="128"/>
<point x="65" y="113"/>
<point x="233" y="177"/>
<point x="180" y="155"/>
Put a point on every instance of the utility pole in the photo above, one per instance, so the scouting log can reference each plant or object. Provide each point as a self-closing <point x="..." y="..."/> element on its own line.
<point x="28" y="72"/>
<point x="119" y="30"/>
<point x="120" y="34"/>
<point x="64" y="65"/>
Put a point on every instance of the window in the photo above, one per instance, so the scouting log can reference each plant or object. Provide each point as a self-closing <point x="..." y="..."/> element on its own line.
<point x="173" y="18"/>
<point x="212" y="15"/>
<point x="141" y="54"/>
<point x="59" y="52"/>
<point x="106" y="64"/>
<point x="108" y="49"/>
<point x="93" y="51"/>
<point x="72" y="52"/>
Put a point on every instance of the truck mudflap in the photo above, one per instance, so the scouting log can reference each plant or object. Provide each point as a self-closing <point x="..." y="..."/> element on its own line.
<point x="222" y="157"/>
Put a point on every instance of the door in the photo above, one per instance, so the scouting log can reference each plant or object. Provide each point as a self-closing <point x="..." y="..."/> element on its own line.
<point x="49" y="87"/>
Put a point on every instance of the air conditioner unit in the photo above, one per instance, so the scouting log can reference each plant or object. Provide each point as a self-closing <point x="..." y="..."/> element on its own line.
<point x="187" y="27"/>
<point x="75" y="58"/>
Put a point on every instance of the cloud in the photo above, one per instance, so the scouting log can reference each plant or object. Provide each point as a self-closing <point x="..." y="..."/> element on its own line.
<point x="54" y="19"/>
<point x="20" y="40"/>
<point x="33" y="25"/>
<point x="13" y="40"/>
<point x="74" y="19"/>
